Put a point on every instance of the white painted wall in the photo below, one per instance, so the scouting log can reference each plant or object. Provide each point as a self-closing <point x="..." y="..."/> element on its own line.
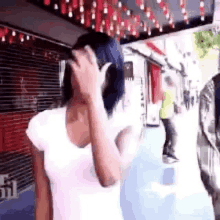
<point x="133" y="91"/>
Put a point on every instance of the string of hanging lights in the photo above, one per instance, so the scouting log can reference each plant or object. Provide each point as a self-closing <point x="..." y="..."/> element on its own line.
<point x="116" y="19"/>
<point x="10" y="36"/>
<point x="184" y="12"/>
<point x="166" y="12"/>
<point x="202" y="10"/>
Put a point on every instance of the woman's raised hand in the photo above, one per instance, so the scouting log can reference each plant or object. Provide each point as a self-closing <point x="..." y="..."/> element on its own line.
<point x="87" y="74"/>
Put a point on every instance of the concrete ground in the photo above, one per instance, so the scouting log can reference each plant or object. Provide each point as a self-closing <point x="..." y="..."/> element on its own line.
<point x="154" y="190"/>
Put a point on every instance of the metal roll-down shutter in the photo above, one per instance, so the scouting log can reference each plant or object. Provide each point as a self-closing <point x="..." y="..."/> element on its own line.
<point x="29" y="83"/>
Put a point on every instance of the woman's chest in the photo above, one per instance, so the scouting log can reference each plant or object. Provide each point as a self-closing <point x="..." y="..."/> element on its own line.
<point x="65" y="162"/>
<point x="78" y="134"/>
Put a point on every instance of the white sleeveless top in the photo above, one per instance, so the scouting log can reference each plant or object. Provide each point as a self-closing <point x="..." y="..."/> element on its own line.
<point x="76" y="191"/>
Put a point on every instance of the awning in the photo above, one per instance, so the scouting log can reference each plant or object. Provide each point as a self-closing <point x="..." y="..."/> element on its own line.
<point x="147" y="53"/>
<point x="133" y="20"/>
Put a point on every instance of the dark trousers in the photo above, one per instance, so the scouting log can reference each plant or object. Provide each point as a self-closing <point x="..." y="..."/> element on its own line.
<point x="171" y="137"/>
<point x="187" y="103"/>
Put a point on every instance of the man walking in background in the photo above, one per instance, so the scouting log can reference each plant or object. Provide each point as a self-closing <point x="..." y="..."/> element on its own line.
<point x="188" y="100"/>
<point x="192" y="101"/>
<point x="167" y="115"/>
<point x="185" y="98"/>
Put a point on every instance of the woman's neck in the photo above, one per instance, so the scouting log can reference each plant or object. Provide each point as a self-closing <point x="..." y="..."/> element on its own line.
<point x="77" y="111"/>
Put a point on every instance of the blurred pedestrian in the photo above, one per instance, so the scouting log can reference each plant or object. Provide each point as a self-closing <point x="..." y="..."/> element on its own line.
<point x="185" y="98"/>
<point x="167" y="116"/>
<point x="192" y="101"/>
<point x="188" y="99"/>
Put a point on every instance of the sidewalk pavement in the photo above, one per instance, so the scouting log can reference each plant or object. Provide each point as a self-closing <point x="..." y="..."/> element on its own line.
<point x="21" y="208"/>
<point x="154" y="190"/>
<point x="148" y="192"/>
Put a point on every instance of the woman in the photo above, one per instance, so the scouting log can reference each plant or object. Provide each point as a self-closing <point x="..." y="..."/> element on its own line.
<point x="167" y="114"/>
<point x="78" y="174"/>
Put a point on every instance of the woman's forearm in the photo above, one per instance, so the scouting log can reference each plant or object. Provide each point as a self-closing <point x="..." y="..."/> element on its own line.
<point x="42" y="211"/>
<point x="105" y="152"/>
<point x="43" y="206"/>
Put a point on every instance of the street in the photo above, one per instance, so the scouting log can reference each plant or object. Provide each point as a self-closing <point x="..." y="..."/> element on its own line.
<point x="154" y="190"/>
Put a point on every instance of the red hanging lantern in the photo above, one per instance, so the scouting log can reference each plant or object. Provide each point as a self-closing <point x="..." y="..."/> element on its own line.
<point x="148" y="12"/>
<point x="46" y="2"/>
<point x="202" y="13"/>
<point x="110" y="11"/>
<point x="126" y="21"/>
<point x="70" y="11"/>
<point x="128" y="13"/>
<point x="11" y="40"/>
<point x="124" y="8"/>
<point x="161" y="4"/>
<point x="115" y="16"/>
<point x="75" y="4"/>
<point x="105" y="8"/>
<point x="137" y="19"/>
<point x="87" y="18"/>
<point x="93" y="13"/>
<point x="182" y="4"/>
<point x="6" y="30"/>
<point x="184" y="11"/>
<point x="118" y="31"/>
<point x="2" y="32"/>
<point x="165" y="10"/>
<point x="111" y="27"/>
<point x="98" y="20"/>
<point x="3" y="38"/>
<point x="121" y="33"/>
<point x="82" y="18"/>
<point x="21" y="37"/>
<point x="114" y="2"/>
<point x="202" y="9"/>
<point x="107" y="23"/>
<point x="139" y="3"/>
<point x="145" y="27"/>
<point x="94" y="4"/>
<point x="120" y="4"/>
<point x="119" y="18"/>
<point x="63" y="7"/>
<point x="81" y="6"/>
<point x="129" y="26"/>
<point x="202" y="5"/>
<point x="100" y="4"/>
<point x="151" y="16"/>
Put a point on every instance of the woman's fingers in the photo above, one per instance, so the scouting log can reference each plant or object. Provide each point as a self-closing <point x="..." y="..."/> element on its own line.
<point x="84" y="54"/>
<point x="74" y="66"/>
<point x="78" y="55"/>
<point x="91" y="54"/>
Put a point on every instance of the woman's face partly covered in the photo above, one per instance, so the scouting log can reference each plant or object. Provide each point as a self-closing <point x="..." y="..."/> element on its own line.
<point x="103" y="79"/>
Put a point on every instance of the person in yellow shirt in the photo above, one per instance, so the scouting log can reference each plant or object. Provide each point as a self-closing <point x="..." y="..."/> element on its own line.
<point x="167" y="115"/>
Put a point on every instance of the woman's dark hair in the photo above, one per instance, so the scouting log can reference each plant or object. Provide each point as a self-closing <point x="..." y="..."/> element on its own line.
<point x="107" y="49"/>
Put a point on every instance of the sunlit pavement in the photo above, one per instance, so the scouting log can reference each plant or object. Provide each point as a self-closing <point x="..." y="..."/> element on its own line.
<point x="154" y="190"/>
<point x="192" y="201"/>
